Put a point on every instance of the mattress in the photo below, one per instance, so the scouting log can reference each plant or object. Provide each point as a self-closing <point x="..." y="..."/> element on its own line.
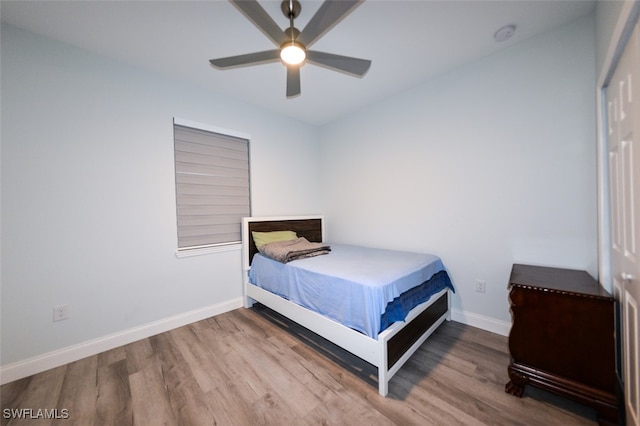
<point x="355" y="285"/>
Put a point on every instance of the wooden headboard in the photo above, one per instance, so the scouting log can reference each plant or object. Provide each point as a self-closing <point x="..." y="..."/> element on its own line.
<point x="309" y="227"/>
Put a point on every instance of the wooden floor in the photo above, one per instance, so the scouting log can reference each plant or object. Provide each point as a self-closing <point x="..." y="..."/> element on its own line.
<point x="252" y="367"/>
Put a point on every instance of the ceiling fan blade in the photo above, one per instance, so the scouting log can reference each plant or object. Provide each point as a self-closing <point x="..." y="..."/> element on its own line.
<point x="354" y="66"/>
<point x="293" y="81"/>
<point x="261" y="19"/>
<point x="246" y="59"/>
<point x="330" y="13"/>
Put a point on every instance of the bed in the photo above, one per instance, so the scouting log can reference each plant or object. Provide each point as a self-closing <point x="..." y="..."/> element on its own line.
<point x="386" y="344"/>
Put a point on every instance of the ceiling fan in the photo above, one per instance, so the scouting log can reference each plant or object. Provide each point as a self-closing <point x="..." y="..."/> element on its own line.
<point x="293" y="44"/>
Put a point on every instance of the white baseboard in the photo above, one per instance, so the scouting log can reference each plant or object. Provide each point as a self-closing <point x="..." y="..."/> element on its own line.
<point x="486" y="323"/>
<point x="40" y="363"/>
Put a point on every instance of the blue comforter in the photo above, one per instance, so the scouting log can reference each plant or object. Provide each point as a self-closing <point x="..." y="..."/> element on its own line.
<point x="353" y="285"/>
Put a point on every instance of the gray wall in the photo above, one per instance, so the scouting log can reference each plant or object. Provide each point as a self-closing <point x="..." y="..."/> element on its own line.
<point x="491" y="164"/>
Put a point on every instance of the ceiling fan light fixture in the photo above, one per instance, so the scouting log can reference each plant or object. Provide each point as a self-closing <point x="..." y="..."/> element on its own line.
<point x="293" y="53"/>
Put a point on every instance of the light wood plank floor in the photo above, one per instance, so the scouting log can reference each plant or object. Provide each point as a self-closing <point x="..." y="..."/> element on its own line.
<point x="253" y="367"/>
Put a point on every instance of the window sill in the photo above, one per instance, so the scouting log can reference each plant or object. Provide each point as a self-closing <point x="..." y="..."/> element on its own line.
<point x="200" y="251"/>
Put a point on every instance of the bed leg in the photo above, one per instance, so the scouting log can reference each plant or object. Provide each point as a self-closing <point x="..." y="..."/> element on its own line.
<point x="248" y="302"/>
<point x="383" y="387"/>
<point x="383" y="372"/>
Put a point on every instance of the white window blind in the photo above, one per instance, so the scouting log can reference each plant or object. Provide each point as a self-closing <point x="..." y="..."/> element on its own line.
<point x="212" y="187"/>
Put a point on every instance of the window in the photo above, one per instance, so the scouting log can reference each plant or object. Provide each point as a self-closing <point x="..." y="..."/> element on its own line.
<point x="212" y="185"/>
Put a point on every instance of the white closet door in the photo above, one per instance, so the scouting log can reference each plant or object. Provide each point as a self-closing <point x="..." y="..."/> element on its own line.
<point x="623" y="100"/>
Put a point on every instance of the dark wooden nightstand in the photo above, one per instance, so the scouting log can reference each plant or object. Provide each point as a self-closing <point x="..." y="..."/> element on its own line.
<point x="563" y="337"/>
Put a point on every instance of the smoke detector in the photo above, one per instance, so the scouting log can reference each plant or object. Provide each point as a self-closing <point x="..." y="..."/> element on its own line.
<point x="504" y="33"/>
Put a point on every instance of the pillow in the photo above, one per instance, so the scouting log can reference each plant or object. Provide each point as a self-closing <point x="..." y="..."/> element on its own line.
<point x="262" y="238"/>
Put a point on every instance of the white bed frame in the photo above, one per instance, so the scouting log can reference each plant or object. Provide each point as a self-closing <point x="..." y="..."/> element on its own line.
<point x="371" y="350"/>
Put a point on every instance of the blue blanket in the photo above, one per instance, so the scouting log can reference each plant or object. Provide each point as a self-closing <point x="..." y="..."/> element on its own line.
<point x="353" y="285"/>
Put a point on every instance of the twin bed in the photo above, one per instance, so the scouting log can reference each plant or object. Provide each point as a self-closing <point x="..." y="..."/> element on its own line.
<point x="380" y="305"/>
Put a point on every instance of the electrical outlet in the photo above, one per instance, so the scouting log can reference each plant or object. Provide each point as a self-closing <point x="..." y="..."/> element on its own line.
<point x="60" y="312"/>
<point x="481" y="286"/>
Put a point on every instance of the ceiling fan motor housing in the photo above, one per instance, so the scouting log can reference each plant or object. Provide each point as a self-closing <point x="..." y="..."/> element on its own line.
<point x="292" y="33"/>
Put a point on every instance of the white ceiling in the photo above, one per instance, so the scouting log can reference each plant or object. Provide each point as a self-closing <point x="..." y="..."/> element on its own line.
<point x="409" y="42"/>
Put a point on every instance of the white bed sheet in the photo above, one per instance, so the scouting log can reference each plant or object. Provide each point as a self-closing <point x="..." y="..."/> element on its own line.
<point x="351" y="285"/>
